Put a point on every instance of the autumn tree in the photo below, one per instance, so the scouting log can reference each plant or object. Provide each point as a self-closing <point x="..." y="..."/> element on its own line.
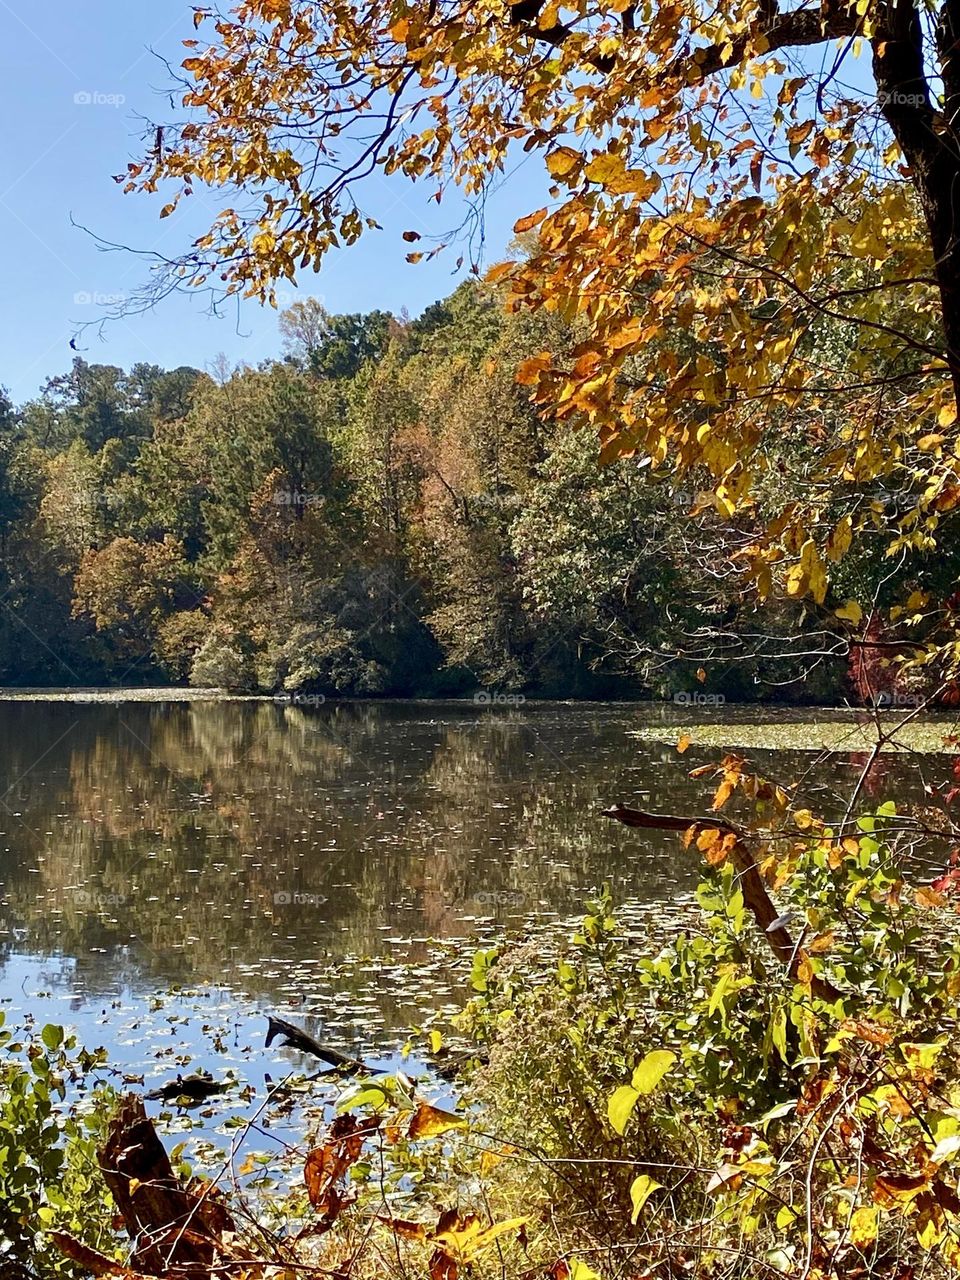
<point x="131" y="589"/>
<point x="735" y="174"/>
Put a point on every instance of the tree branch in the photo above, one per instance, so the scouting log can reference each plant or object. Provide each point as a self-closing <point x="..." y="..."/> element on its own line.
<point x="751" y="884"/>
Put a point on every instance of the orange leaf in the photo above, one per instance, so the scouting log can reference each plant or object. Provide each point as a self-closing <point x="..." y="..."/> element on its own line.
<point x="924" y="897"/>
<point x="724" y="792"/>
<point x="530" y="221"/>
<point x="529" y="370"/>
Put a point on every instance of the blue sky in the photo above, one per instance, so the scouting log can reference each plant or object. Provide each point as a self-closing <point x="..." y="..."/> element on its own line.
<point x="78" y="80"/>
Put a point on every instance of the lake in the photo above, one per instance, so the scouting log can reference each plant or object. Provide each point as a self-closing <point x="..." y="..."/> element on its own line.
<point x="169" y="870"/>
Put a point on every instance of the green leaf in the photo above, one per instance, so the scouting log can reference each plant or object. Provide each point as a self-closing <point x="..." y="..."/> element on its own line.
<point x="620" y="1105"/>
<point x="641" y="1190"/>
<point x="652" y="1069"/>
<point x="52" y="1035"/>
<point x="778" y="1112"/>
<point x="368" y="1097"/>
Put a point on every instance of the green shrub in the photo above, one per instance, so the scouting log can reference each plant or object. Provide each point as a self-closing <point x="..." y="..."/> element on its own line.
<point x="49" y="1174"/>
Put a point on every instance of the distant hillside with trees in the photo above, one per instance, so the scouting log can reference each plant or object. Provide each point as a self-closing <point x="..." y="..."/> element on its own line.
<point x="379" y="511"/>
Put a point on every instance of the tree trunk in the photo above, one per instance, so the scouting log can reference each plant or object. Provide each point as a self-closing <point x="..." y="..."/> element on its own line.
<point x="928" y="141"/>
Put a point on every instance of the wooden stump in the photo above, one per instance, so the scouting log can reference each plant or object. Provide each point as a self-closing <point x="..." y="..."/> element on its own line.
<point x="174" y="1227"/>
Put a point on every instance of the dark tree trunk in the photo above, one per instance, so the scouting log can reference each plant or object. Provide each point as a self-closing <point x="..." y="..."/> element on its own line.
<point x="928" y="140"/>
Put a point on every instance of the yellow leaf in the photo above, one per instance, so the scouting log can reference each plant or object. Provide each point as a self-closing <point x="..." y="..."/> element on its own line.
<point x="838" y="544"/>
<point x="683" y="743"/>
<point x="635" y="182"/>
<point x="648" y="1073"/>
<point x="863" y="1226"/>
<point x="850" y="611"/>
<point x="947" y="416"/>
<point x="605" y="168"/>
<point x="641" y="1190"/>
<point x="620" y="1106"/>
<point x="926" y="444"/>
<point x="428" y="1121"/>
<point x="562" y="162"/>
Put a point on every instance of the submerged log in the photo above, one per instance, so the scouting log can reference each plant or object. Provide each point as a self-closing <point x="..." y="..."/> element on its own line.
<point x="174" y="1227"/>
<point x="296" y="1038"/>
<point x="189" y="1089"/>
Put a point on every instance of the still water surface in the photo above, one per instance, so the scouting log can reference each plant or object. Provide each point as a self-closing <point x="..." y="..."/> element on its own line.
<point x="323" y="863"/>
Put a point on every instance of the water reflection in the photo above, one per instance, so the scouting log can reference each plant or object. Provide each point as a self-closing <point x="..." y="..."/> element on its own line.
<point x="255" y="843"/>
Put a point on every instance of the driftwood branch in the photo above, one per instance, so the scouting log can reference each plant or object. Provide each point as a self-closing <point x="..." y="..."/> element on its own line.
<point x="755" y="894"/>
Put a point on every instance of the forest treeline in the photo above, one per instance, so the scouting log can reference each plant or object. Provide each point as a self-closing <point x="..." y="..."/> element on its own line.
<point x="381" y="510"/>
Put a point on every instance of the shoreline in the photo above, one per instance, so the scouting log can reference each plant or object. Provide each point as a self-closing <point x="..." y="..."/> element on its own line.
<point x="714" y="713"/>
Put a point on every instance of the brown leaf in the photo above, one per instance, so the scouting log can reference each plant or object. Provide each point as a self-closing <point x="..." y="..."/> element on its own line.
<point x="403" y="1227"/>
<point x="899" y="1186"/>
<point x="98" y="1264"/>
<point x="326" y="1165"/>
<point x="925" y="897"/>
<point x="442" y="1266"/>
<point x="727" y="1178"/>
<point x="450" y="1220"/>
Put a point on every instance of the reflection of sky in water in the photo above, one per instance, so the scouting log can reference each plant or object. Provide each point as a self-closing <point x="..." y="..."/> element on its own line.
<point x="306" y="860"/>
<point x="214" y="1029"/>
